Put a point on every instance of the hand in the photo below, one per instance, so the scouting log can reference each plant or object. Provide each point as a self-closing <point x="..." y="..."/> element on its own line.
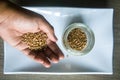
<point x="19" y="21"/>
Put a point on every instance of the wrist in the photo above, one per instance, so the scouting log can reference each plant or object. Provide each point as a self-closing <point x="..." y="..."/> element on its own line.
<point x="3" y="8"/>
<point x="5" y="12"/>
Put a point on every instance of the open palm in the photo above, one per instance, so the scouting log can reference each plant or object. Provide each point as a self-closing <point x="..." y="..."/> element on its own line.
<point x="22" y="21"/>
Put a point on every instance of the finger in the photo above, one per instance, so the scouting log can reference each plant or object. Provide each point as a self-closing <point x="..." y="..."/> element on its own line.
<point x="48" y="29"/>
<point x="30" y="54"/>
<point x="50" y="54"/>
<point x="38" y="57"/>
<point x="53" y="46"/>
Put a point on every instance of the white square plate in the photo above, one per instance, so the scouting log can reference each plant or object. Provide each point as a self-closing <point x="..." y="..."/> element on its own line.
<point x="97" y="61"/>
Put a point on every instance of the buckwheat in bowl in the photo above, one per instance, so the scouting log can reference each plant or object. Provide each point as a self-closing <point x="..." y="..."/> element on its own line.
<point x="78" y="39"/>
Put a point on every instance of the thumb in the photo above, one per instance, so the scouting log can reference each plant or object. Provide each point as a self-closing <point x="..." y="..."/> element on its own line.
<point x="51" y="36"/>
<point x="48" y="29"/>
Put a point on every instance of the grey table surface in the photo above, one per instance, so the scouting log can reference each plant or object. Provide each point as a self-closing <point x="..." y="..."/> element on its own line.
<point x="115" y="4"/>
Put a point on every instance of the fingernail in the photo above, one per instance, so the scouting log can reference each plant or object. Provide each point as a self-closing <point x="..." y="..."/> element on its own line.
<point x="62" y="57"/>
<point x="47" y="66"/>
<point x="41" y="62"/>
<point x="55" y="61"/>
<point x="54" y="38"/>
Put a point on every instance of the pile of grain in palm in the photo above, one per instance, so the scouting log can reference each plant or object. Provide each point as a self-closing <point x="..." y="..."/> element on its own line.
<point x="35" y="41"/>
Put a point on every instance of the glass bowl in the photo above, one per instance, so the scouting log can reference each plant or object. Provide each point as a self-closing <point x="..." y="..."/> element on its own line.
<point x="90" y="39"/>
